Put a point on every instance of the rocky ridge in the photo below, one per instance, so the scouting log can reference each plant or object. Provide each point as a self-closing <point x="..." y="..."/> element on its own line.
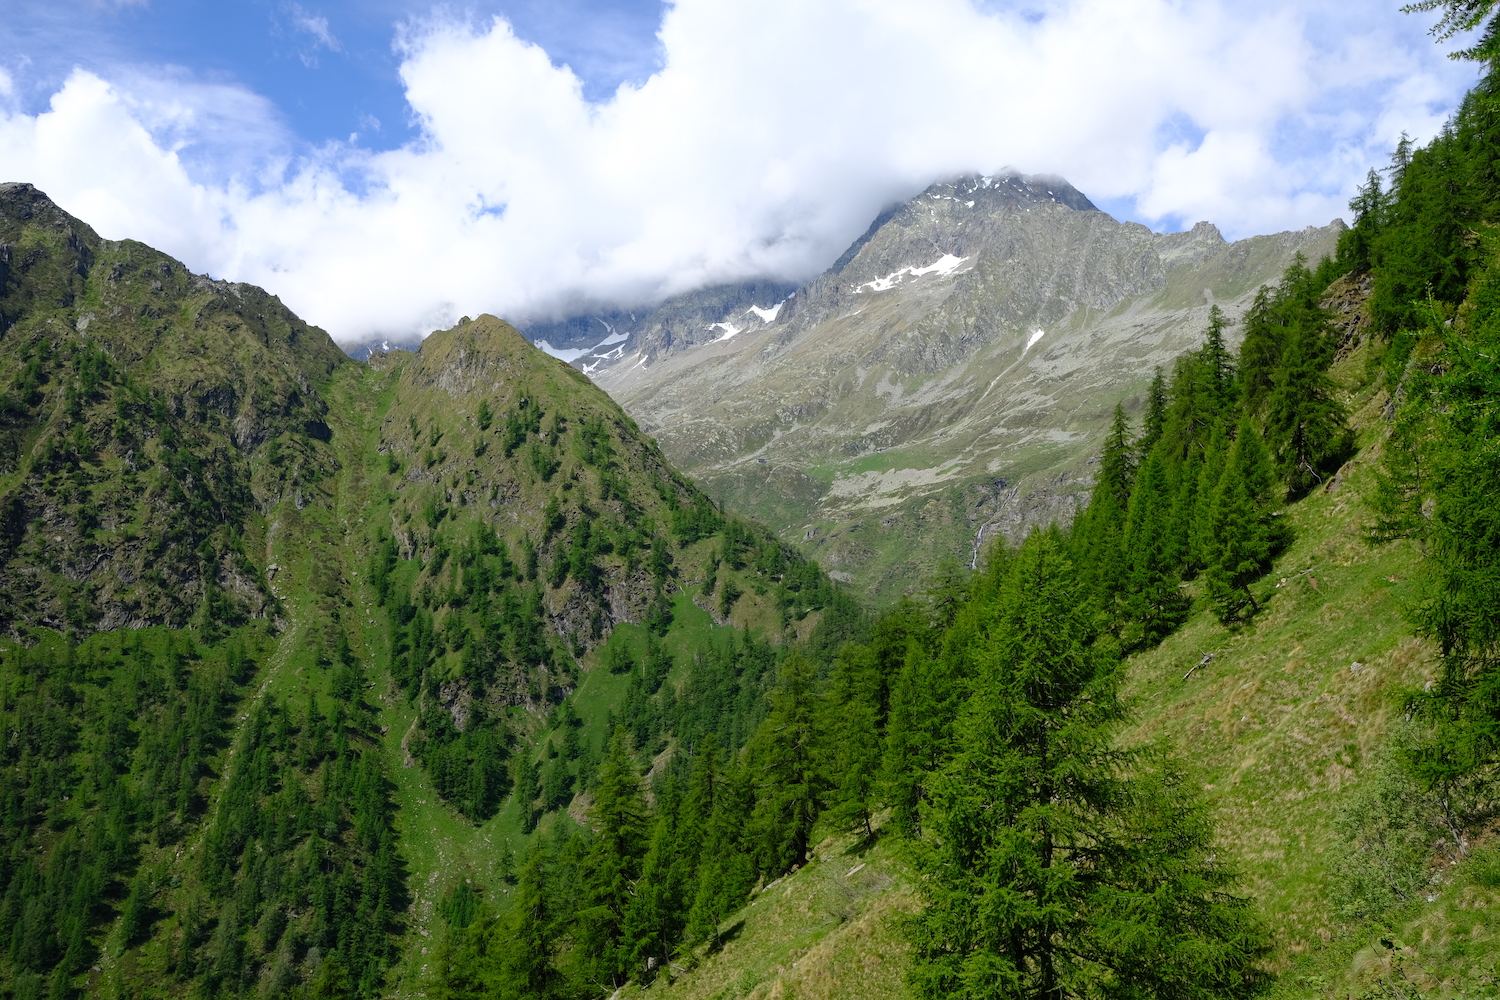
<point x="948" y="378"/>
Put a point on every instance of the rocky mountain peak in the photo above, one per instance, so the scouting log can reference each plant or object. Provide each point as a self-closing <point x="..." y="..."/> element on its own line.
<point x="964" y="354"/>
<point x="22" y="203"/>
<point x="1014" y="188"/>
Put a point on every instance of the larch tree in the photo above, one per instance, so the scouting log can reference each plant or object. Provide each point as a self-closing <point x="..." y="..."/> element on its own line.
<point x="785" y="750"/>
<point x="613" y="865"/>
<point x="1060" y="865"/>
<point x="1242" y="536"/>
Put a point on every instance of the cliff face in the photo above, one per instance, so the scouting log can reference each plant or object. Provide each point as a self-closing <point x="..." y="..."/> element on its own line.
<point x="949" y="376"/>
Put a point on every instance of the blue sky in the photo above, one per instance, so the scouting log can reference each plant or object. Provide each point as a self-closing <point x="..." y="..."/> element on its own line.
<point x="536" y="158"/>
<point x="330" y="69"/>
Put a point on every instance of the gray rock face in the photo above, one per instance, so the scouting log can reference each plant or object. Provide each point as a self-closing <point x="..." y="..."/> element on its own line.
<point x="972" y="344"/>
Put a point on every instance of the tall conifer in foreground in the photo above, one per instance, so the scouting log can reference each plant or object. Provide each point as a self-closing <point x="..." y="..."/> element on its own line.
<point x="526" y="955"/>
<point x="851" y="756"/>
<point x="1062" y="866"/>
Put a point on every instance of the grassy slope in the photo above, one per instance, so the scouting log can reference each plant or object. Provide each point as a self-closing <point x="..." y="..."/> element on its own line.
<point x="1280" y="725"/>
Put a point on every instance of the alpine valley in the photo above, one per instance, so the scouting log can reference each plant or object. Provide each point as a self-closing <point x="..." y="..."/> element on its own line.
<point x="1067" y="611"/>
<point x="948" y="379"/>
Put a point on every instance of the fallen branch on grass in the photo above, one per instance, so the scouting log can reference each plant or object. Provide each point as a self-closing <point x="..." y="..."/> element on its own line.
<point x="1206" y="658"/>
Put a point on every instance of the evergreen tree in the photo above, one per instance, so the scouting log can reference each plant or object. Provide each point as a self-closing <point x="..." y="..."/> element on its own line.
<point x="1442" y="484"/>
<point x="1462" y="16"/>
<point x="1154" y="423"/>
<point x="1154" y="602"/>
<point x="1356" y="247"/>
<point x="613" y="865"/>
<point x="725" y="873"/>
<point x="1181" y="522"/>
<point x="791" y="784"/>
<point x="1063" y="866"/>
<point x="1100" y="539"/>
<point x="1218" y="366"/>
<point x="1210" y="474"/>
<point x="528" y="934"/>
<point x="1261" y="350"/>
<point x="1305" y="425"/>
<point x="1203" y="392"/>
<point x="526" y="791"/>
<point x="924" y="703"/>
<point x="851" y="752"/>
<point x="656" y="915"/>
<point x="1242" y="534"/>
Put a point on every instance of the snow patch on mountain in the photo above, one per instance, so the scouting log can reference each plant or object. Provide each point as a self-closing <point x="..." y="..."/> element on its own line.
<point x="944" y="265"/>
<point x="568" y="354"/>
<point x="767" y="316"/>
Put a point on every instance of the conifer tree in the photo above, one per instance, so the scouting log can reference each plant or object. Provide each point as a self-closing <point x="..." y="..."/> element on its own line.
<point x="924" y="703"/>
<point x="1063" y="866"/>
<point x="702" y="794"/>
<point x="1154" y="602"/>
<point x="1242" y="536"/>
<point x="1203" y="392"/>
<point x="1442" y="484"/>
<point x="656" y="914"/>
<point x="1155" y="420"/>
<point x="725" y="872"/>
<point x="1181" y="522"/>
<point x="1101" y="540"/>
<point x="1210" y="475"/>
<point x="613" y="864"/>
<point x="1218" y="366"/>
<point x="1261" y="350"/>
<point x="1305" y="425"/>
<point x="528" y="935"/>
<point x="1356" y="250"/>
<point x="526" y="791"/>
<point x="851" y="751"/>
<point x="791" y="783"/>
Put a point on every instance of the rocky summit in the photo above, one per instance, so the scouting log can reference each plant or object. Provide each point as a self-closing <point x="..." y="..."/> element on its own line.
<point x="946" y="380"/>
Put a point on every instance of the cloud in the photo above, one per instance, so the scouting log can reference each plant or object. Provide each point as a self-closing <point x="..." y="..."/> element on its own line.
<point x="315" y="25"/>
<point x="770" y="136"/>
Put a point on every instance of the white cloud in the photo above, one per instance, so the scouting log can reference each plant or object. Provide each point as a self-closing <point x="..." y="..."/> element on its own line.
<point x="315" y="25"/>
<point x="772" y="134"/>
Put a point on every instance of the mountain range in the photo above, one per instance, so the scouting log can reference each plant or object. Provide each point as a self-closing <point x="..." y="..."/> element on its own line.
<point x="947" y="379"/>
